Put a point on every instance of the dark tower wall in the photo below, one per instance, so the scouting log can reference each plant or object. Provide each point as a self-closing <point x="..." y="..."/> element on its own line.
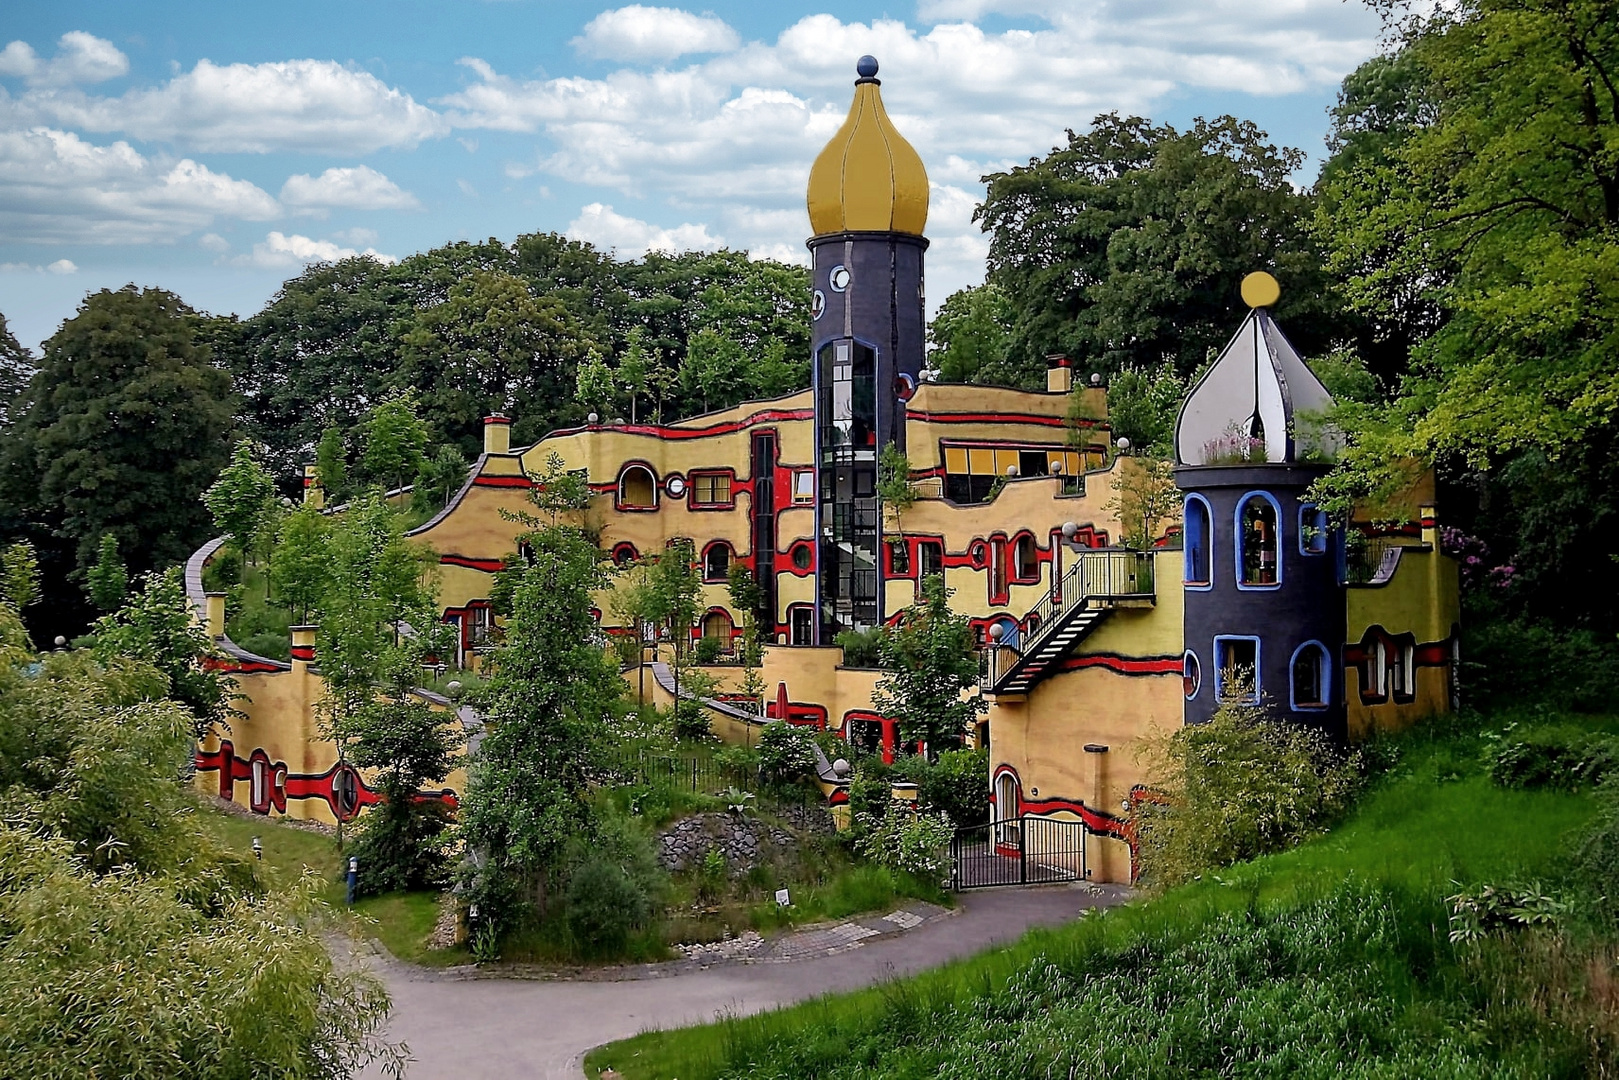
<point x="1306" y="604"/>
<point x="876" y="322"/>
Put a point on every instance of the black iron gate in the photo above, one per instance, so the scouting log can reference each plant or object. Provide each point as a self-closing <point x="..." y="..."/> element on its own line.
<point x="1024" y="850"/>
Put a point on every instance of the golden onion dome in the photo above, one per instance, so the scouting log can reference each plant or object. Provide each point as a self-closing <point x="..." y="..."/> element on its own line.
<point x="868" y="178"/>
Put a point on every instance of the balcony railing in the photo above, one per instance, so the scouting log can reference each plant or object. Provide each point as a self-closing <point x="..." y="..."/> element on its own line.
<point x="1109" y="574"/>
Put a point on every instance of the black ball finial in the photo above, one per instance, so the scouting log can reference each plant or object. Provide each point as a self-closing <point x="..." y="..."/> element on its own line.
<point x="867" y="67"/>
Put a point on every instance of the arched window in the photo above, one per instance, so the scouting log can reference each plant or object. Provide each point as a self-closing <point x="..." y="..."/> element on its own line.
<point x="637" y="488"/>
<point x="1198" y="537"/>
<point x="1191" y="675"/>
<point x="717" y="626"/>
<point x="1311" y="681"/>
<point x="717" y="561"/>
<point x="1259" y="548"/>
<point x="1312" y="530"/>
<point x="1403" y="668"/>
<point x="1026" y="559"/>
<point x="1374" y="665"/>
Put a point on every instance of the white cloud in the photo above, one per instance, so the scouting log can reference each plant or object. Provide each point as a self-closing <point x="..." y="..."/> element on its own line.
<point x="213" y="242"/>
<point x="55" y="186"/>
<point x="653" y="33"/>
<point x="62" y="266"/>
<point x="605" y="228"/>
<point x="357" y="188"/>
<point x="729" y="140"/>
<point x="314" y="106"/>
<point x="80" y="58"/>
<point x="280" y="251"/>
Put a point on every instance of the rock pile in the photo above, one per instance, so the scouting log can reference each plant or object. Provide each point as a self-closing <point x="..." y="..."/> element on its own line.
<point x="743" y="842"/>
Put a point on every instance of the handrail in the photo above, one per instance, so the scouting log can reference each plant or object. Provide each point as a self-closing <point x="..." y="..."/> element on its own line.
<point x="1109" y="574"/>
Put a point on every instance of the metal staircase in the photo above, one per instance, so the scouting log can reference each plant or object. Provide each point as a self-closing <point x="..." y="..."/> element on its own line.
<point x="1096" y="585"/>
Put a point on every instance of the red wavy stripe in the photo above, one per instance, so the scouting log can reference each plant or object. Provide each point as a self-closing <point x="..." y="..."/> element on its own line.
<point x="1124" y="665"/>
<point x="503" y="482"/>
<point x="488" y="566"/>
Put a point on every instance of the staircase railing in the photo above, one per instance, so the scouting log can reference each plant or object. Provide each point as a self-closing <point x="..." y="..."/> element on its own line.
<point x="1108" y="574"/>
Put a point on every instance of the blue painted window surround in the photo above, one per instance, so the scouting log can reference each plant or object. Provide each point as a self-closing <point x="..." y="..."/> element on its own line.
<point x="1198" y="543"/>
<point x="1258" y="549"/>
<point x="1237" y="656"/>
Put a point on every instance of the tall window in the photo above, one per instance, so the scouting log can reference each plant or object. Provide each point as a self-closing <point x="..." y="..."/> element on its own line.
<point x="929" y="558"/>
<point x="717" y="562"/>
<point x="711" y="489"/>
<point x="1403" y="668"/>
<point x="1312" y="530"/>
<point x="1236" y="676"/>
<point x="1310" y="677"/>
<point x="1197" y="537"/>
<point x="1026" y="559"/>
<point x="1258" y="542"/>
<point x="899" y="558"/>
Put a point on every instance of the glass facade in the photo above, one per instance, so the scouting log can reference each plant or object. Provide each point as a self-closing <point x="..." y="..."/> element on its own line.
<point x="846" y="379"/>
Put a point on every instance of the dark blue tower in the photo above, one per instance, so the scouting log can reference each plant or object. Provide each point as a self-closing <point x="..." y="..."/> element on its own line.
<point x="868" y="204"/>
<point x="1264" y="616"/>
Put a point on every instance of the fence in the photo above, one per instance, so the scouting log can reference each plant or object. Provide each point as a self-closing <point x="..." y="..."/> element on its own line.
<point x="703" y="775"/>
<point x="1023" y="850"/>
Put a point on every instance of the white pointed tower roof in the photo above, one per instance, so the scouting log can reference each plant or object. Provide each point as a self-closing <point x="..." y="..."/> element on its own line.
<point x="1257" y="388"/>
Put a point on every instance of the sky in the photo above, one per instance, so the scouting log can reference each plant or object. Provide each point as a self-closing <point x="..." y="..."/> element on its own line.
<point x="215" y="149"/>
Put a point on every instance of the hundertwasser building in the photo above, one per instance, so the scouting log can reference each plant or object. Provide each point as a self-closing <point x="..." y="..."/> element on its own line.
<point x="1089" y="647"/>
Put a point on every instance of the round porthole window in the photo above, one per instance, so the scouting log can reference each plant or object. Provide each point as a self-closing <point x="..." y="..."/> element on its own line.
<point x="818" y="304"/>
<point x="840" y="278"/>
<point x="801" y="556"/>
<point x="675" y="486"/>
<point x="1191" y="675"/>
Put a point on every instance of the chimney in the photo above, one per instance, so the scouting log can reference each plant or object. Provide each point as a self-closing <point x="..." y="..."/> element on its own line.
<point x="303" y="647"/>
<point x="497" y="434"/>
<point x="216" y="615"/>
<point x="1429" y="523"/>
<point x="1059" y="374"/>
<point x="314" y="492"/>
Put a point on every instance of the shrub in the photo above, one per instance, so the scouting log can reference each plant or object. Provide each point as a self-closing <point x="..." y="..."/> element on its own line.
<point x="957" y="784"/>
<point x="1560" y="762"/>
<point x="1521" y="660"/>
<point x="914" y="842"/>
<point x="604" y="906"/>
<point x="692" y="722"/>
<point x="861" y="648"/>
<point x="268" y="644"/>
<point x="786" y="753"/>
<point x="707" y="650"/>
<point x="1239" y="786"/>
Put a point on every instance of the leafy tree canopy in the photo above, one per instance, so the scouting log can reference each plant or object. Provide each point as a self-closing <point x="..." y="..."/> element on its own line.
<point x="1127" y="245"/>
<point x="972" y="336"/>
<point x="928" y="662"/>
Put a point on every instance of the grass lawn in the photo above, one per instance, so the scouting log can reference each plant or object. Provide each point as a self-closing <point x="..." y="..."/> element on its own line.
<point x="1434" y="820"/>
<point x="400" y="922"/>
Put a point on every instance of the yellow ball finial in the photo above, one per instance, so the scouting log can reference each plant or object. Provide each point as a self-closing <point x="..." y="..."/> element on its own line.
<point x="1259" y="289"/>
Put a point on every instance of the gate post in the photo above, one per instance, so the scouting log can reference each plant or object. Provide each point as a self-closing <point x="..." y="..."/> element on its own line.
<point x="1023" y="849"/>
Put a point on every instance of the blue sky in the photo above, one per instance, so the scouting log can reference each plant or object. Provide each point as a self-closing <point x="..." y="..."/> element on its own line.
<point x="214" y="149"/>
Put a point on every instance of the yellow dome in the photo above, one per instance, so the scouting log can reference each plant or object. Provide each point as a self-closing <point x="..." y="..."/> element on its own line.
<point x="868" y="178"/>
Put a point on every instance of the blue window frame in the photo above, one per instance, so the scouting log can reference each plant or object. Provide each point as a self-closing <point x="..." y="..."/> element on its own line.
<point x="1309" y="684"/>
<point x="1258" y="550"/>
<point x="1236" y="659"/>
<point x="1313" y="530"/>
<point x="1197" y="538"/>
<point x="1191" y="675"/>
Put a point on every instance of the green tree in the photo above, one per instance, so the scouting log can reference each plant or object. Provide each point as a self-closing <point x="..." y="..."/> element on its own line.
<point x="19" y="574"/>
<point x="714" y="372"/>
<point x="1128" y="245"/>
<point x="928" y="661"/>
<point x="634" y="374"/>
<point x="401" y="842"/>
<point x="331" y="463"/>
<point x="107" y="581"/>
<point x="896" y="491"/>
<point x="124" y="425"/>
<point x="1144" y="498"/>
<point x="299" y="565"/>
<point x="108" y="882"/>
<point x="748" y="600"/>
<point x="1143" y="404"/>
<point x="440" y="477"/>
<point x="971" y="336"/>
<point x="242" y="498"/>
<point x="156" y="627"/>
<point x="16" y="369"/>
<point x="494" y="344"/>
<point x="550" y="693"/>
<point x="393" y="443"/>
<point x="594" y="387"/>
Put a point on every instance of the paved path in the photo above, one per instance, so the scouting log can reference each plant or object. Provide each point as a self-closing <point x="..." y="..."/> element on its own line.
<point x="474" y="1028"/>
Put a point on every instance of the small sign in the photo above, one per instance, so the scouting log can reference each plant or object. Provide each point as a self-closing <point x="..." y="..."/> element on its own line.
<point x="782" y="899"/>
